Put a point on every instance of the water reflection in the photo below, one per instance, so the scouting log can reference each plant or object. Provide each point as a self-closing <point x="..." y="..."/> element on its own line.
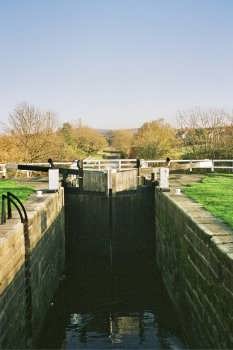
<point x="97" y="308"/>
<point x="135" y="331"/>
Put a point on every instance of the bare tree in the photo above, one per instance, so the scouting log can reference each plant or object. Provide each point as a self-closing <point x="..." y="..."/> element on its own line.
<point x="204" y="133"/>
<point x="34" y="132"/>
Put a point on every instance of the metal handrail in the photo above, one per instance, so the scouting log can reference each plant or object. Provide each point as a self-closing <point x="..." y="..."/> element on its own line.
<point x="3" y="212"/>
<point x="12" y="199"/>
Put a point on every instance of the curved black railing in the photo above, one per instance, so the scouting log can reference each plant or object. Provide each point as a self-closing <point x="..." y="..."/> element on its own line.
<point x="10" y="199"/>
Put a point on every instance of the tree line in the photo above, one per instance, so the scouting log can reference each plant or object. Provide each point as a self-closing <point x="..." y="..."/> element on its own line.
<point x="33" y="135"/>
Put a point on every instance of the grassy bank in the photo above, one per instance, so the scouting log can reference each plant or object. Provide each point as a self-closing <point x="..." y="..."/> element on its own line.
<point x="22" y="191"/>
<point x="215" y="193"/>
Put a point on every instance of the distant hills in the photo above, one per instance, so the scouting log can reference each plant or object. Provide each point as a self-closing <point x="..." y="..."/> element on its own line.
<point x="108" y="132"/>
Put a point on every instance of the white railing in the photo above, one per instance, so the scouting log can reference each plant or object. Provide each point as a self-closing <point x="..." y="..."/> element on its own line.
<point x="189" y="164"/>
<point x="109" y="163"/>
<point x="127" y="164"/>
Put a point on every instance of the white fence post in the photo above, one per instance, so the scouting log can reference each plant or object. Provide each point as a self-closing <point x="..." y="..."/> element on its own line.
<point x="212" y="168"/>
<point x="191" y="166"/>
<point x="3" y="170"/>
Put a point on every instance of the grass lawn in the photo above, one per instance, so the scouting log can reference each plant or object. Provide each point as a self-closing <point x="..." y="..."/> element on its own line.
<point x="22" y="191"/>
<point x="215" y="193"/>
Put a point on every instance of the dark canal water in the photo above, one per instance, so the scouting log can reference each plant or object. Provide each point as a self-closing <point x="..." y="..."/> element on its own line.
<point x="96" y="310"/>
<point x="112" y="296"/>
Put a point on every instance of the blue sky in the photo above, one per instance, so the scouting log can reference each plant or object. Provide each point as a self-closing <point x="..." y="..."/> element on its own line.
<point x="116" y="63"/>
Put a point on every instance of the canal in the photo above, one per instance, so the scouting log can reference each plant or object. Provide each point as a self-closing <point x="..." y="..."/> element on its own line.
<point x="112" y="295"/>
<point x="95" y="310"/>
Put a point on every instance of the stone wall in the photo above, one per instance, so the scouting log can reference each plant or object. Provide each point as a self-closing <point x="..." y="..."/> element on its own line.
<point x="195" y="256"/>
<point x="25" y="299"/>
